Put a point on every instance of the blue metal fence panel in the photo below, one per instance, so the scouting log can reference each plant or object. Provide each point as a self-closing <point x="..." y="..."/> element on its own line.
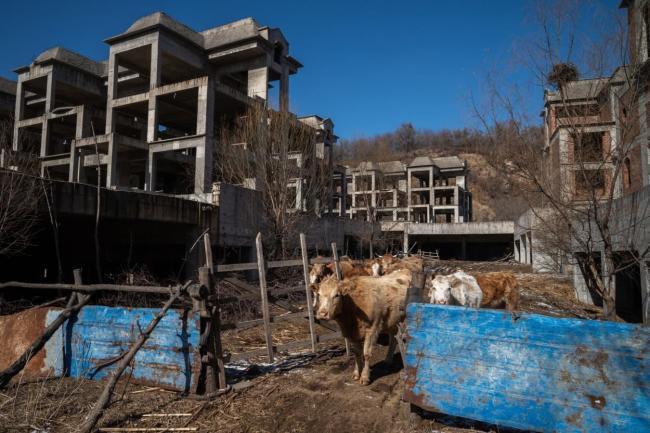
<point x="99" y="334"/>
<point x="531" y="372"/>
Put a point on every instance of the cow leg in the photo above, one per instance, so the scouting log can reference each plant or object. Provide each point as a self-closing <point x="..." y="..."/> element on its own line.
<point x="357" y="351"/>
<point x="392" y="341"/>
<point x="368" y="342"/>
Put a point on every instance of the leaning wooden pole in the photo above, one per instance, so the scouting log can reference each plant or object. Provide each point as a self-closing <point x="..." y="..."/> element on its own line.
<point x="37" y="345"/>
<point x="310" y="308"/>
<point x="266" y="315"/>
<point x="93" y="416"/>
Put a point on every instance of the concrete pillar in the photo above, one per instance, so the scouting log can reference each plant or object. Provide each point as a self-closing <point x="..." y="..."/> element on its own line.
<point x="258" y="83"/>
<point x="373" y="194"/>
<point x="204" y="125"/>
<point x="112" y="173"/>
<point x="456" y="204"/>
<point x="284" y="89"/>
<point x="154" y="82"/>
<point x="354" y="190"/>
<point x="150" y="174"/>
<point x="580" y="287"/>
<point x="19" y="113"/>
<point x="49" y="104"/>
<point x="405" y="244"/>
<point x="111" y="92"/>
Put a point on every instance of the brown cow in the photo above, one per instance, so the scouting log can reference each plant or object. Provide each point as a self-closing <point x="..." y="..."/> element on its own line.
<point x="386" y="264"/>
<point x="363" y="307"/>
<point x="349" y="269"/>
<point x="499" y="290"/>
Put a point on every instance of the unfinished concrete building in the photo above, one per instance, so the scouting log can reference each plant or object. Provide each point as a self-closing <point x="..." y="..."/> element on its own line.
<point x="421" y="205"/>
<point x="584" y="126"/>
<point x="147" y="121"/>
<point x="149" y="114"/>
<point x="425" y="190"/>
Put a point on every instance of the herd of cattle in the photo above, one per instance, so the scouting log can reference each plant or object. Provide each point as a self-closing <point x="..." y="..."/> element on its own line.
<point x="370" y="298"/>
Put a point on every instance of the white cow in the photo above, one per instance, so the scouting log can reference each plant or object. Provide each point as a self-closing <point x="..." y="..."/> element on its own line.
<point x="458" y="288"/>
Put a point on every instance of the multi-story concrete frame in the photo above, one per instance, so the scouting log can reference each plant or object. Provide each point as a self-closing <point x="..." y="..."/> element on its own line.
<point x="152" y="110"/>
<point x="580" y="133"/>
<point x="425" y="190"/>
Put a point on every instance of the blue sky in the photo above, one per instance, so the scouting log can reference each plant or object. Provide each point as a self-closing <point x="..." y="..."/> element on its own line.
<point x="370" y="66"/>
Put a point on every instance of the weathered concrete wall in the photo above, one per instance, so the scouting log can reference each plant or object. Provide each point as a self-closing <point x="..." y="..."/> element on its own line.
<point x="81" y="199"/>
<point x="471" y="228"/>
<point x="529" y="247"/>
<point x="630" y="228"/>
<point x="240" y="214"/>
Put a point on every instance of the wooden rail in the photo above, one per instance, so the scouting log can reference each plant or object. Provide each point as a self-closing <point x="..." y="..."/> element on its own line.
<point x="87" y="287"/>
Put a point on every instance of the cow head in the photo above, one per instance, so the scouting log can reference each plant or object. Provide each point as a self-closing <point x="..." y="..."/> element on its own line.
<point x="317" y="272"/>
<point x="327" y="298"/>
<point x="441" y="289"/>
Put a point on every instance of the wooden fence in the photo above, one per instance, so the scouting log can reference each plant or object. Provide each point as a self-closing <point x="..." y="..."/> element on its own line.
<point x="266" y="298"/>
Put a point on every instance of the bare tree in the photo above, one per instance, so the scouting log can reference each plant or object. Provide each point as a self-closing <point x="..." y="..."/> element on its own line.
<point x="574" y="183"/>
<point x="281" y="157"/>
<point x="20" y="192"/>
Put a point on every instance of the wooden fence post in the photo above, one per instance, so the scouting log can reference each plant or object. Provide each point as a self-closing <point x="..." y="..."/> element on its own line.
<point x="337" y="265"/>
<point x="339" y="276"/>
<point x="310" y="308"/>
<point x="207" y="246"/>
<point x="214" y="311"/>
<point x="261" y="267"/>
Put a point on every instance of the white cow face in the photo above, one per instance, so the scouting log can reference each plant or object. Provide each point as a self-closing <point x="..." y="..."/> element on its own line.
<point x="441" y="290"/>
<point x="327" y="298"/>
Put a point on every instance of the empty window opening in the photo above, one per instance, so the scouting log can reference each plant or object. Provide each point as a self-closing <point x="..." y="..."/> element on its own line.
<point x="58" y="172"/>
<point x="386" y="200"/>
<point x="29" y="139"/>
<point x="177" y="114"/>
<point x="175" y="70"/>
<point x="420" y="197"/>
<point x="278" y="51"/>
<point x="132" y="165"/>
<point x="629" y="302"/>
<point x="420" y="215"/>
<point x="34" y="92"/>
<point x="62" y="132"/>
<point x="133" y="71"/>
<point x="91" y="174"/>
<point x="364" y="182"/>
<point x="175" y="171"/>
<point x="420" y="179"/>
<point x="443" y="216"/>
<point x="444" y="198"/>
<point x="131" y="120"/>
<point x="588" y="146"/>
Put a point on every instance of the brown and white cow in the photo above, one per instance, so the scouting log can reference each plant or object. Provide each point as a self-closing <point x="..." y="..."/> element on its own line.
<point x="363" y="307"/>
<point x="488" y="290"/>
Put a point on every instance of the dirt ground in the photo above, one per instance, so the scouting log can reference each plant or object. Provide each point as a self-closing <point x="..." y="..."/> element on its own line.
<point x="301" y="394"/>
<point x="320" y="397"/>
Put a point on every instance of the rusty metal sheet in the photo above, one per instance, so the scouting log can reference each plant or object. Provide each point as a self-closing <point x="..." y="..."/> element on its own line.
<point x="531" y="372"/>
<point x="98" y="334"/>
<point x="18" y="331"/>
